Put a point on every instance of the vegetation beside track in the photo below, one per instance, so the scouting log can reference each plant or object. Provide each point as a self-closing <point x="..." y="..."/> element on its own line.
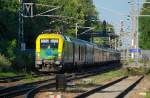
<point x="138" y="70"/>
<point x="142" y="67"/>
<point x="25" y="79"/>
<point x="4" y="63"/>
<point x="7" y="74"/>
<point x="82" y="12"/>
<point x="94" y="80"/>
<point x="148" y="92"/>
<point x="30" y="78"/>
<point x="148" y="95"/>
<point x="22" y="62"/>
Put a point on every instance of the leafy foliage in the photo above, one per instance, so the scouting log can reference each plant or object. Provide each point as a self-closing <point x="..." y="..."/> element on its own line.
<point x="71" y="12"/>
<point x="4" y="63"/>
<point x="24" y="61"/>
<point x="82" y="12"/>
<point x="8" y="48"/>
<point x="145" y="27"/>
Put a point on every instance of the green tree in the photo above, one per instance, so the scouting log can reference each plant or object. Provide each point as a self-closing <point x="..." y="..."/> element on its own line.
<point x="144" y="27"/>
<point x="82" y="12"/>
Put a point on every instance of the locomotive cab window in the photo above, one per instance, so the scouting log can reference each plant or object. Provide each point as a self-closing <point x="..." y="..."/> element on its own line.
<point x="44" y="43"/>
<point x="54" y="43"/>
<point x="49" y="43"/>
<point x="49" y="48"/>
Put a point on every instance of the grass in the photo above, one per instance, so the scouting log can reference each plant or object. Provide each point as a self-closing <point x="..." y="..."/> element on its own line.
<point x="148" y="92"/>
<point x="138" y="70"/>
<point x="147" y="95"/>
<point x="94" y="80"/>
<point x="28" y="77"/>
<point x="7" y="74"/>
<point x="31" y="78"/>
<point x="109" y="75"/>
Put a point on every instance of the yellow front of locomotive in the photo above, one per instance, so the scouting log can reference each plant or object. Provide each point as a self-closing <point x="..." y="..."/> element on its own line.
<point x="49" y="49"/>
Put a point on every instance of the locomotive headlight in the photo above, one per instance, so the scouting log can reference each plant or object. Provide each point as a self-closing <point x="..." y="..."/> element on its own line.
<point x="59" y="55"/>
<point x="38" y="56"/>
<point x="57" y="62"/>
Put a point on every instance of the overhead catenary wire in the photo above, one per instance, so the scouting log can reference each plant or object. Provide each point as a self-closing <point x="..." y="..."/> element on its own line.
<point x="49" y="11"/>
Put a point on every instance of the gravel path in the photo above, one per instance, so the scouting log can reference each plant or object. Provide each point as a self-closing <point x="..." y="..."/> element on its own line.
<point x="114" y="90"/>
<point x="140" y="90"/>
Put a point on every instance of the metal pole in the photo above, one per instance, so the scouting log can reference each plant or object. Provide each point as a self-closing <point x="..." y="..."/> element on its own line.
<point x="21" y="44"/>
<point x="18" y="44"/>
<point x="133" y="19"/>
<point x="137" y="31"/>
<point x="20" y="31"/>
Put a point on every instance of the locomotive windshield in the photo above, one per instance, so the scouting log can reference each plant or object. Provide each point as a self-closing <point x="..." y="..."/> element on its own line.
<point x="49" y="48"/>
<point x="52" y="43"/>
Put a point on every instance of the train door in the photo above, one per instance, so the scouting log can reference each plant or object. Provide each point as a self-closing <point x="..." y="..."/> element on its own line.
<point x="100" y="56"/>
<point x="95" y="55"/>
<point x="86" y="54"/>
<point x="82" y="54"/>
<point x="104" y="56"/>
<point x="74" y="54"/>
<point x="84" y="58"/>
<point x="79" y="60"/>
<point x="65" y="49"/>
<point x="70" y="49"/>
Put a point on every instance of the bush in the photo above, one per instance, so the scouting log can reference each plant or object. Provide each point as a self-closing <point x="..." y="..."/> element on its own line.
<point x="5" y="64"/>
<point x="24" y="61"/>
<point x="16" y="59"/>
<point x="10" y="49"/>
<point x="137" y="70"/>
<point x="131" y="61"/>
<point x="125" y="63"/>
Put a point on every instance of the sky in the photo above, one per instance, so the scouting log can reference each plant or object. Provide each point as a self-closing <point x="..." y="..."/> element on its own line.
<point x="113" y="11"/>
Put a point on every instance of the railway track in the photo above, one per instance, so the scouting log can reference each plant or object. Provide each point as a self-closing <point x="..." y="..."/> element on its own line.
<point x="17" y="78"/>
<point x="30" y="89"/>
<point x="116" y="89"/>
<point x="12" y="78"/>
<point x="75" y="76"/>
<point x="19" y="89"/>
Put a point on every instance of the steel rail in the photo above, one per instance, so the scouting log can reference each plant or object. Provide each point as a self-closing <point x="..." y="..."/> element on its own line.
<point x="11" y="78"/>
<point x="126" y="91"/>
<point x="76" y="76"/>
<point x="23" y="88"/>
<point x="18" y="77"/>
<point x="121" y="95"/>
<point x="18" y="89"/>
<point x="86" y="94"/>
